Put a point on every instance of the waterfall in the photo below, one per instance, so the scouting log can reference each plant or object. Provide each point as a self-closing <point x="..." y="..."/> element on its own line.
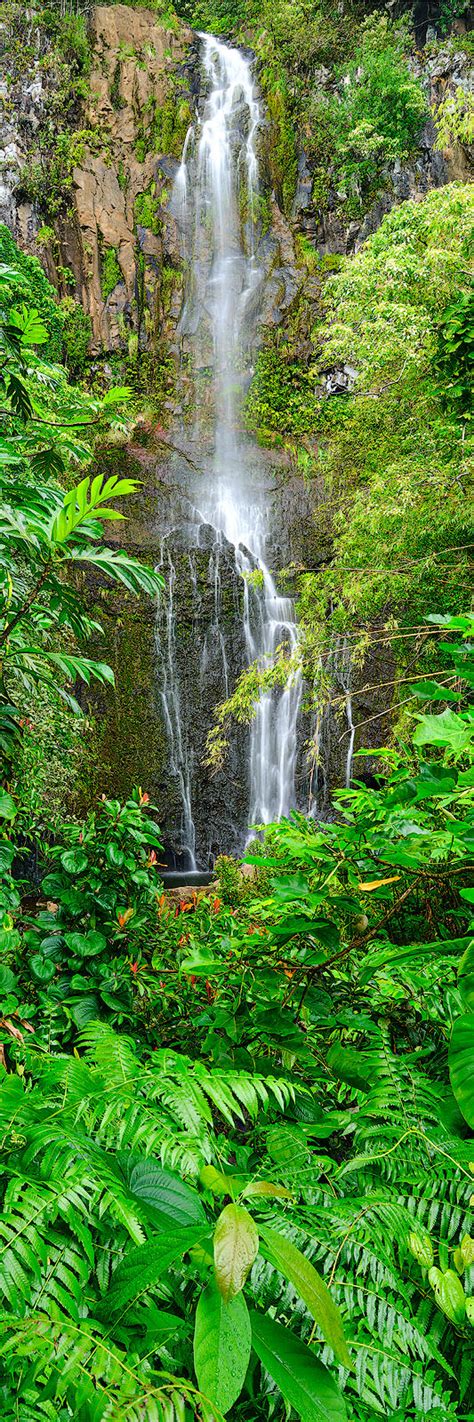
<point x="181" y="756"/>
<point x="215" y="204"/>
<point x="333" y="742"/>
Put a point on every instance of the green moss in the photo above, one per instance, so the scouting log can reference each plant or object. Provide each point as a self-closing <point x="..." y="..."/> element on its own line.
<point x="110" y="273"/>
<point x="282" y="156"/>
<point x="147" y="210"/>
<point x="115" y="95"/>
<point x="163" y="127"/>
<point x="281" y="398"/>
<point x="47" y="178"/>
<point x="256" y="209"/>
<point x="77" y="335"/>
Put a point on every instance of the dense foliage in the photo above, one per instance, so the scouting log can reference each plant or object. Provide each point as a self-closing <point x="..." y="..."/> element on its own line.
<point x="236" y="1126"/>
<point x="50" y="532"/>
<point x="278" y="1119"/>
<point x="391" y="450"/>
<point x="219" y="1114"/>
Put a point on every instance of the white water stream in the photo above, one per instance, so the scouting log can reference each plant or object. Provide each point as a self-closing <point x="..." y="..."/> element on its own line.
<point x="215" y="202"/>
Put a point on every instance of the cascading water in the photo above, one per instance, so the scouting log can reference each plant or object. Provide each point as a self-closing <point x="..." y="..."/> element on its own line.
<point x="332" y="741"/>
<point x="215" y="204"/>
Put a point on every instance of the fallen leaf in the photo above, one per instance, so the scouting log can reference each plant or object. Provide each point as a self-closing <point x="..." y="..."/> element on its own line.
<point x="377" y="883"/>
<point x="9" y="1026"/>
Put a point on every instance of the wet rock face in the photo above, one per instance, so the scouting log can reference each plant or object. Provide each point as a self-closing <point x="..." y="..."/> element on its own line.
<point x="191" y="646"/>
<point x="117" y="237"/>
<point x="22" y="107"/>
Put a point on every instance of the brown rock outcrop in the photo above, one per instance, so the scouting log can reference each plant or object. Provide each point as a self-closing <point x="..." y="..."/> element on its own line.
<point x="133" y="84"/>
<point x="133" y="79"/>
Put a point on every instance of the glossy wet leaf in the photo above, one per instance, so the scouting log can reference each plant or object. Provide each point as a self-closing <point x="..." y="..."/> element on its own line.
<point x="142" y="1267"/>
<point x="165" y="1196"/>
<point x="305" y="1383"/>
<point x="235" y="1248"/>
<point x="222" y="1342"/>
<point x="461" y="1064"/>
<point x="300" y="1272"/>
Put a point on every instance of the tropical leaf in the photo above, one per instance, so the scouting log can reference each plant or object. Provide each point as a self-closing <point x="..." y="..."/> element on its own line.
<point x="235" y="1248"/>
<point x="143" y="1266"/>
<point x="222" y="1342"/>
<point x="301" y="1273"/>
<point x="461" y="1064"/>
<point x="305" y="1383"/>
<point x="163" y="1194"/>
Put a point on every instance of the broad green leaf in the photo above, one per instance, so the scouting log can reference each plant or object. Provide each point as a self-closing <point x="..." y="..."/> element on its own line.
<point x="85" y="945"/>
<point x="222" y="1343"/>
<point x="448" y="729"/>
<point x="306" y="1385"/>
<point x="74" y="861"/>
<point x="349" y="1065"/>
<point x="42" y="968"/>
<point x="114" y="855"/>
<point x="467" y="1249"/>
<point x="461" y="1064"/>
<point x="449" y="1294"/>
<point x="466" y="977"/>
<point x="165" y="1196"/>
<point x="433" y="691"/>
<point x="84" y="1009"/>
<point x="198" y="964"/>
<point x="7" y="855"/>
<point x="8" y="981"/>
<point x="7" y="806"/>
<point x="300" y="1272"/>
<point x="235" y="1248"/>
<point x="321" y="928"/>
<point x="30" y="325"/>
<point x="221" y="1184"/>
<point x="419" y="1244"/>
<point x="143" y="1266"/>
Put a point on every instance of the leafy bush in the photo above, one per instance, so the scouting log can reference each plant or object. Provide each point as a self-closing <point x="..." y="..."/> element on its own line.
<point x="455" y="119"/>
<point x="451" y="10"/>
<point x="292" y="1194"/>
<point x="44" y="531"/>
<point x="394" y="451"/>
<point x="281" y="396"/>
<point x="82" y="948"/>
<point x="374" y="117"/>
<point x="110" y="272"/>
<point x="68" y="30"/>
<point x="29" y="283"/>
<point x="218" y="17"/>
<point x="77" y="336"/>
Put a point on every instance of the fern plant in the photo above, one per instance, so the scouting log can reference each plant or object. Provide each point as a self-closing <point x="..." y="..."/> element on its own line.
<point x="276" y="1218"/>
<point x="48" y="533"/>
